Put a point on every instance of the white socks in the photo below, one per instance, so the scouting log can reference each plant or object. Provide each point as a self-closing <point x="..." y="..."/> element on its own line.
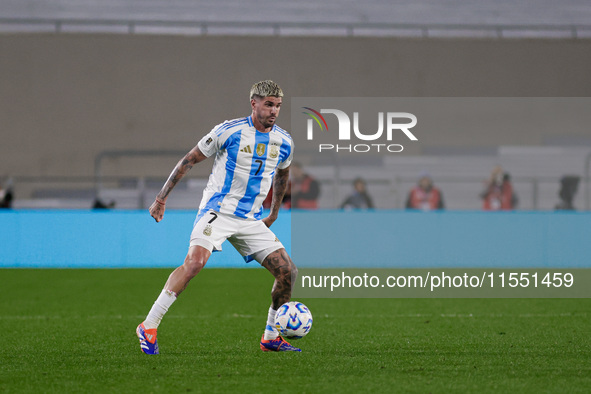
<point x="270" y="330"/>
<point x="160" y="307"/>
<point x="166" y="299"/>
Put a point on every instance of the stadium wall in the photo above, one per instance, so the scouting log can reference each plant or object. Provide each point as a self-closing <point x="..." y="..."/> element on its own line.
<point x="107" y="239"/>
<point x="67" y="97"/>
<point x="401" y="239"/>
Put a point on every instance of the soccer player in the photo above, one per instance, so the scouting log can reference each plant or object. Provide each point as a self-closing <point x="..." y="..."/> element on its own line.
<point x="250" y="155"/>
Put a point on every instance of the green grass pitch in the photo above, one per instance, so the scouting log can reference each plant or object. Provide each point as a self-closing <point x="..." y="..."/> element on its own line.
<point x="74" y="331"/>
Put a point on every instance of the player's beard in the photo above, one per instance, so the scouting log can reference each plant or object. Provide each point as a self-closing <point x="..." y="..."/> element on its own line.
<point x="267" y="122"/>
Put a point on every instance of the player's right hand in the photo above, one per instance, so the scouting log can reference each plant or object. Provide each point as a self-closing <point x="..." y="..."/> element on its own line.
<point x="157" y="210"/>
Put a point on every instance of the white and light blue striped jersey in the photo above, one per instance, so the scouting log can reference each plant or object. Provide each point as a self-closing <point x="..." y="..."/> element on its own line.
<point x="244" y="166"/>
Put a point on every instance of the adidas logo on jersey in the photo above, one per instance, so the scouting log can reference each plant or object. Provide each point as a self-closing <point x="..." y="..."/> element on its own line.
<point x="246" y="149"/>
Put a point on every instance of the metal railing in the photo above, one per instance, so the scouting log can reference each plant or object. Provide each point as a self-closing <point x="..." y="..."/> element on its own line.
<point x="348" y="29"/>
<point x="101" y="157"/>
<point x="535" y="192"/>
<point x="460" y="193"/>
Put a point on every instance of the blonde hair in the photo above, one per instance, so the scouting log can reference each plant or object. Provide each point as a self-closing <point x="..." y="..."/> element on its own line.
<point x="265" y="88"/>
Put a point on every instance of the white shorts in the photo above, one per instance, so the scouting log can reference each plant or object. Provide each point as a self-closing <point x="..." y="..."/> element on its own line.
<point x="251" y="238"/>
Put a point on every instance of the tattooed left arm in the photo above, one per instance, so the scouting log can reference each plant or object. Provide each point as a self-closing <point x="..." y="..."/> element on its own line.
<point x="279" y="187"/>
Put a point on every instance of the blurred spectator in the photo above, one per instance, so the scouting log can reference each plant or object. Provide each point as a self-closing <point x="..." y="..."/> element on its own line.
<point x="6" y="196"/>
<point x="359" y="199"/>
<point x="498" y="194"/>
<point x="425" y="195"/>
<point x="304" y="189"/>
<point x="6" y="193"/>
<point x="569" y="185"/>
<point x="100" y="204"/>
<point x="285" y="204"/>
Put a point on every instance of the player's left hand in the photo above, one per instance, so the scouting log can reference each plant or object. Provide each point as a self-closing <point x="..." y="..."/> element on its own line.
<point x="269" y="220"/>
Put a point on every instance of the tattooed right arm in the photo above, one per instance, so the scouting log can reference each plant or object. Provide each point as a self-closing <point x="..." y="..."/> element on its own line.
<point x="182" y="167"/>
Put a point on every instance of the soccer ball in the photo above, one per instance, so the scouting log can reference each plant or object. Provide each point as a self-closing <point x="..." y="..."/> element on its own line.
<point x="293" y="320"/>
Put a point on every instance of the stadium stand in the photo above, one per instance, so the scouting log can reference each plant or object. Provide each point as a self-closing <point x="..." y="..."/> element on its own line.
<point x="119" y="111"/>
<point x="535" y="172"/>
<point x="448" y="18"/>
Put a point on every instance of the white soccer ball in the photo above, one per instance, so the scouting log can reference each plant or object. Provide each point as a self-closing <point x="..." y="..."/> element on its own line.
<point x="293" y="320"/>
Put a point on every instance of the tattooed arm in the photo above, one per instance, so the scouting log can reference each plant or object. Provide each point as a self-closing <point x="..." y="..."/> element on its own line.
<point x="183" y="166"/>
<point x="279" y="187"/>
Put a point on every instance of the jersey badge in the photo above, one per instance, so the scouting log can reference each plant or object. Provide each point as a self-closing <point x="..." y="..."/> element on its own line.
<point x="273" y="151"/>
